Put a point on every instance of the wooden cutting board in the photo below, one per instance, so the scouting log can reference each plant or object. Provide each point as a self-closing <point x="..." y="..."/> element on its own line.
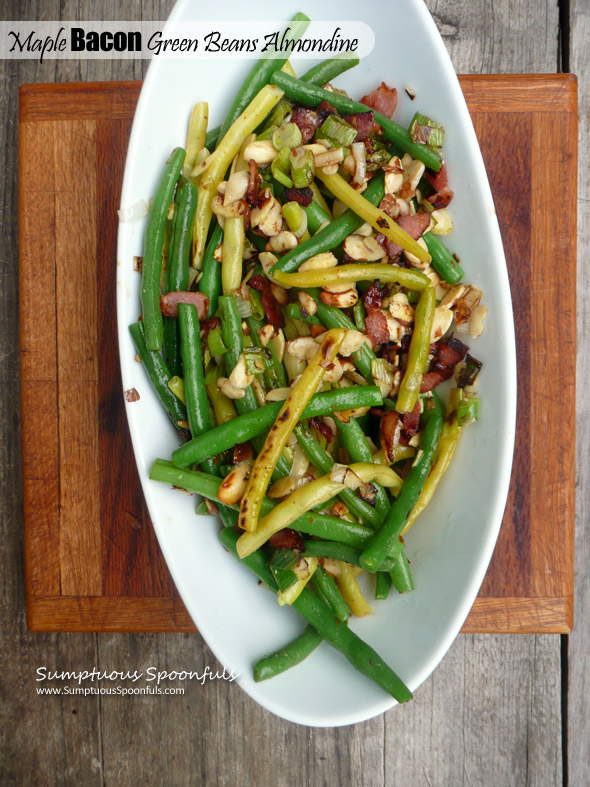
<point x="92" y="559"/>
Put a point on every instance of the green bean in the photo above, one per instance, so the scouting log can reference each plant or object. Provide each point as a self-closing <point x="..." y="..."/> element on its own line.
<point x="323" y="462"/>
<point x="212" y="137"/>
<point x="328" y="70"/>
<point x="274" y="372"/>
<point x="233" y="338"/>
<point x="257" y="422"/>
<point x="418" y="352"/>
<point x="347" y="554"/>
<point x="259" y="76"/>
<point x="442" y="260"/>
<point x="288" y="656"/>
<point x="383" y="584"/>
<point x="197" y="404"/>
<point x="321" y="617"/>
<point x="316" y="216"/>
<point x="159" y="375"/>
<point x="354" y="441"/>
<point x="293" y="311"/>
<point x="323" y="582"/>
<point x="313" y="524"/>
<point x="359" y="315"/>
<point x="401" y="574"/>
<point x="152" y="254"/>
<point x="210" y="281"/>
<point x="311" y="96"/>
<point x="332" y="317"/>
<point x="180" y="247"/>
<point x="388" y="534"/>
<point x="177" y="269"/>
<point x="332" y="235"/>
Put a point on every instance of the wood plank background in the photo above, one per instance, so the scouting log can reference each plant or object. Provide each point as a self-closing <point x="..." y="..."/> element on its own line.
<point x="108" y="566"/>
<point x="497" y="710"/>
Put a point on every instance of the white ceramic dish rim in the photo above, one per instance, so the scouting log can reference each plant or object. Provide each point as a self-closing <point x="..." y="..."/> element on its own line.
<point x="128" y="235"/>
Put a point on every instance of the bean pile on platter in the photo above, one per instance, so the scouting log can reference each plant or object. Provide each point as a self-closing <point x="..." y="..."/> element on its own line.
<point x="299" y="312"/>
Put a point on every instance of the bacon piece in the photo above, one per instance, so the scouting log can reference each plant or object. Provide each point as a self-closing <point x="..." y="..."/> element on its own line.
<point x="390" y="433"/>
<point x="373" y="298"/>
<point x="452" y="352"/>
<point x="302" y="196"/>
<point x="286" y="539"/>
<point x="389" y="205"/>
<point x="410" y="425"/>
<point x="253" y="183"/>
<point x="208" y="325"/>
<point x="434" y="377"/>
<point x="438" y="180"/>
<point x="322" y="428"/>
<point x="324" y="109"/>
<point x="169" y="303"/>
<point x="415" y="226"/>
<point x="306" y="120"/>
<point x="269" y="302"/>
<point x="376" y="327"/>
<point x="365" y="124"/>
<point x="383" y="99"/>
<point x="316" y="330"/>
<point x="440" y="183"/>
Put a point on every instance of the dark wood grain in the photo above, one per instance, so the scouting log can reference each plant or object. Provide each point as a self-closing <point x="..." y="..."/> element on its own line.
<point x="112" y="576"/>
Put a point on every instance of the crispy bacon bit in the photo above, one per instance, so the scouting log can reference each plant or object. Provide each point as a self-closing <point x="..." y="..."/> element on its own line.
<point x="376" y="327"/>
<point x="410" y="424"/>
<point x="307" y="121"/>
<point x="440" y="183"/>
<point x="302" y="196"/>
<point x="253" y="183"/>
<point x="415" y="226"/>
<point x="316" y="330"/>
<point x="208" y="325"/>
<point x="131" y="395"/>
<point x="324" y="110"/>
<point x="438" y="180"/>
<point x="447" y="357"/>
<point x="383" y="99"/>
<point x="452" y="352"/>
<point x="373" y="298"/>
<point x="137" y="264"/>
<point x="169" y="303"/>
<point x="286" y="539"/>
<point x="390" y="433"/>
<point x="435" y="377"/>
<point x="365" y="124"/>
<point x="269" y="302"/>
<point x="322" y="428"/>
<point x="242" y="453"/>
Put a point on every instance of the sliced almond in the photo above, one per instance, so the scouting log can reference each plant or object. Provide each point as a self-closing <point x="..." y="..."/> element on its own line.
<point x="476" y="324"/>
<point x="363" y="249"/>
<point x="319" y="262"/>
<point x="284" y="241"/>
<point x="262" y="151"/>
<point x="443" y="317"/>
<point x="341" y="300"/>
<point x="232" y="488"/>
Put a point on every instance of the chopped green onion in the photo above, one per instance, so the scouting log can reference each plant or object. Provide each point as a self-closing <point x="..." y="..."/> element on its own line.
<point x="176" y="385"/>
<point x="256" y="304"/>
<point x="467" y="410"/>
<point x="383" y="375"/>
<point x="295" y="217"/>
<point x="469" y="371"/>
<point x="376" y="159"/>
<point x="255" y="360"/>
<point x="215" y="343"/>
<point x="243" y="306"/>
<point x="280" y="167"/>
<point x="425" y="131"/>
<point x="267" y="133"/>
<point x="287" y="136"/>
<point x="277" y="116"/>
<point x="302" y="167"/>
<point x="337" y="131"/>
